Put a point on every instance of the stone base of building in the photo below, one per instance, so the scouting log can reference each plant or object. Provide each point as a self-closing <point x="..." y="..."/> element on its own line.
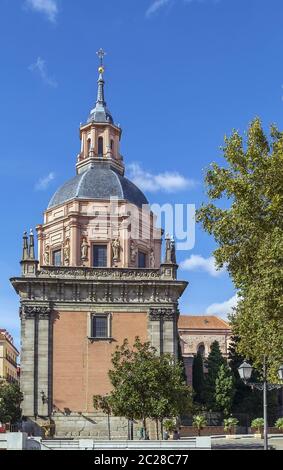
<point x="85" y="425"/>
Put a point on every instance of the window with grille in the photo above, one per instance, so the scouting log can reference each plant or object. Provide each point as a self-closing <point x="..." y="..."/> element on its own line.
<point x="100" y="326"/>
<point x="57" y="258"/>
<point x="142" y="260"/>
<point x="100" y="256"/>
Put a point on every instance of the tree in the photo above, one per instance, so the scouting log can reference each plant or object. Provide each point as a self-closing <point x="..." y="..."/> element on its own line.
<point x="198" y="378"/>
<point x="103" y="403"/>
<point x="279" y="424"/>
<point x="224" y="389"/>
<point x="146" y="385"/>
<point x="10" y="402"/>
<point x="249" y="234"/>
<point x="213" y="364"/>
<point x="258" y="424"/>
<point x="199" y="422"/>
<point x="230" y="424"/>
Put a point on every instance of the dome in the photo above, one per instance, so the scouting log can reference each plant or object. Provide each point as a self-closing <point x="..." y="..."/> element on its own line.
<point x="98" y="182"/>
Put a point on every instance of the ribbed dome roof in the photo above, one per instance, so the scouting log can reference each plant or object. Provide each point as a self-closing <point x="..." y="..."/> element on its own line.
<point x="98" y="182"/>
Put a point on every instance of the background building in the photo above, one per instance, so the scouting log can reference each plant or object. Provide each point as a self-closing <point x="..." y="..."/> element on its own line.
<point x="8" y="358"/>
<point x="197" y="333"/>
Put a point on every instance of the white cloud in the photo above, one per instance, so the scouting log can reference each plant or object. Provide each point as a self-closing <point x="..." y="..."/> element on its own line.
<point x="155" y="6"/>
<point x="40" y="67"/>
<point x="48" y="7"/>
<point x="43" y="183"/>
<point x="223" y="309"/>
<point x="199" y="263"/>
<point x="167" y="181"/>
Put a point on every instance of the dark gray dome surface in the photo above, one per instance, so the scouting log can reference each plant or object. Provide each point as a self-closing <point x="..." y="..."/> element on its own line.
<point x="99" y="182"/>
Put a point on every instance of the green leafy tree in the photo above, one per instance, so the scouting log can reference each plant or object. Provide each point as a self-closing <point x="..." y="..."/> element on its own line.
<point x="248" y="228"/>
<point x="146" y="385"/>
<point x="103" y="403"/>
<point x="258" y="424"/>
<point x="198" y="378"/>
<point x="230" y="424"/>
<point x="224" y="389"/>
<point x="199" y="422"/>
<point x="279" y="424"/>
<point x="10" y="402"/>
<point x="213" y="363"/>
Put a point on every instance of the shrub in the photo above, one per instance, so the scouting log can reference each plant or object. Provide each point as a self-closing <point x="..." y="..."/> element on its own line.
<point x="258" y="424"/>
<point x="279" y="424"/>
<point x="230" y="424"/>
<point x="199" y="422"/>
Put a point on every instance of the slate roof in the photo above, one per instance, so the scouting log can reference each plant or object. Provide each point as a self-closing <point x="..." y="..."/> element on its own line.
<point x="99" y="182"/>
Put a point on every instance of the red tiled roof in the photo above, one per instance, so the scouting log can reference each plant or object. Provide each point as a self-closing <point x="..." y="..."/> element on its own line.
<point x="202" y="322"/>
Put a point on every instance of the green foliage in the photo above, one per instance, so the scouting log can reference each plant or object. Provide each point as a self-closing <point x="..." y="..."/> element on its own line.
<point x="249" y="234"/>
<point x="102" y="403"/>
<point x="258" y="424"/>
<point x="199" y="422"/>
<point x="279" y="424"/>
<point x="169" y="425"/>
<point x="198" y="378"/>
<point x="230" y="424"/>
<point x="213" y="364"/>
<point x="146" y="385"/>
<point x="224" y="389"/>
<point x="10" y="402"/>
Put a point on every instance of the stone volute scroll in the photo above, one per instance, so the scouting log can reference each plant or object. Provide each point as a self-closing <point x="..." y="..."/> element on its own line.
<point x="84" y="250"/>
<point x="152" y="258"/>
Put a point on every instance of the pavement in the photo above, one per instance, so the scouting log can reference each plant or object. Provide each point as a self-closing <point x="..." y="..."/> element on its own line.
<point x="246" y="443"/>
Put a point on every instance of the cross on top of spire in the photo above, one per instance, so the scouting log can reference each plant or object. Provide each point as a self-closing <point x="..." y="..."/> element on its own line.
<point x="101" y="54"/>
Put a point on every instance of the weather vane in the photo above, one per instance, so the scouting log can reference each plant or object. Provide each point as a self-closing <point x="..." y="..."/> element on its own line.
<point x="101" y="54"/>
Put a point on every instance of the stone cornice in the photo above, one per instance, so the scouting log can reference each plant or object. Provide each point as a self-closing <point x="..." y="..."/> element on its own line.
<point x="99" y="273"/>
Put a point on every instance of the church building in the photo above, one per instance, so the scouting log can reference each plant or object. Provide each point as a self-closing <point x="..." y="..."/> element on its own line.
<point x="99" y="277"/>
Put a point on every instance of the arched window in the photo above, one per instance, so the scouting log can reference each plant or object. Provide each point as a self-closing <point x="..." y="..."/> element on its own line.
<point x="201" y="349"/>
<point x="100" y="146"/>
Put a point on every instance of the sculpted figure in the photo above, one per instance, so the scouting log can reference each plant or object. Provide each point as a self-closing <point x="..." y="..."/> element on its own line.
<point x="46" y="256"/>
<point x="84" y="250"/>
<point x="133" y="252"/>
<point x="67" y="252"/>
<point x="116" y="249"/>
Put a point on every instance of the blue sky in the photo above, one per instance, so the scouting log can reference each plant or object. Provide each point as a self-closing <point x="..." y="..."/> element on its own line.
<point x="180" y="74"/>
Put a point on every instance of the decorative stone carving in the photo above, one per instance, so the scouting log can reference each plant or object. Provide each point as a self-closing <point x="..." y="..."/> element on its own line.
<point x="116" y="247"/>
<point x="31" y="311"/>
<point x="98" y="273"/>
<point x="84" y="250"/>
<point x="156" y="314"/>
<point x="67" y="251"/>
<point x="170" y="250"/>
<point x="152" y="259"/>
<point x="46" y="256"/>
<point x="133" y="251"/>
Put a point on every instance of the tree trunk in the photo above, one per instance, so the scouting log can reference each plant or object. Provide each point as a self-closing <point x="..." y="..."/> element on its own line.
<point x="161" y="429"/>
<point x="144" y="427"/>
<point x="157" y="429"/>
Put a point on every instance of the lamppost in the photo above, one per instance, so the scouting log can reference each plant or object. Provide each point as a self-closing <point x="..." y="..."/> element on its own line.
<point x="245" y="372"/>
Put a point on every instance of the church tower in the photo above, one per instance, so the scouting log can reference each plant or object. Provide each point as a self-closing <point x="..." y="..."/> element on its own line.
<point x="98" y="279"/>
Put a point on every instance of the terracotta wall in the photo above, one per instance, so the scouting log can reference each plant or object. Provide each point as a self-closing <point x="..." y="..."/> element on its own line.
<point x="80" y="366"/>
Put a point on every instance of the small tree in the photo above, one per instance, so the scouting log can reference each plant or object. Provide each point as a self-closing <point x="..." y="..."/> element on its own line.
<point x="224" y="389"/>
<point x="198" y="378"/>
<point x="199" y="422"/>
<point x="258" y="424"/>
<point x="10" y="402"/>
<point x="103" y="403"/>
<point x="279" y="424"/>
<point x="230" y="424"/>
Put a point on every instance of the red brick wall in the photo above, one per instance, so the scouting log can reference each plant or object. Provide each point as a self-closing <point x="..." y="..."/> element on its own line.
<point x="79" y="366"/>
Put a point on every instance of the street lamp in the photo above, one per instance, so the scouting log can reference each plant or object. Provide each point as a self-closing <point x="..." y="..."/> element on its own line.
<point x="245" y="373"/>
